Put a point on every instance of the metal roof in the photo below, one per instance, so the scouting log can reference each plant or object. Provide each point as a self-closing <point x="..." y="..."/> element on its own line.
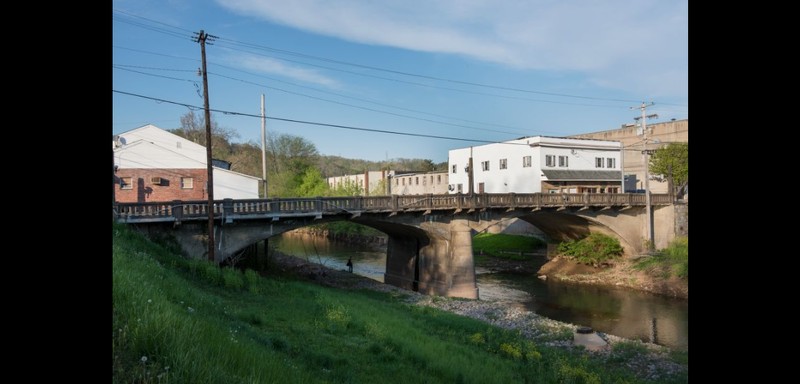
<point x="574" y="175"/>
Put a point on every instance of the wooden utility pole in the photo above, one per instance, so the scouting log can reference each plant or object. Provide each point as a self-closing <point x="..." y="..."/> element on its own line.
<point x="204" y="38"/>
<point x="263" y="146"/>
<point x="646" y="161"/>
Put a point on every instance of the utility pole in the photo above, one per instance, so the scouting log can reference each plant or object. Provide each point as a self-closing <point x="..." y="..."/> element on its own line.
<point x="646" y="160"/>
<point x="204" y="38"/>
<point x="469" y="174"/>
<point x="263" y="146"/>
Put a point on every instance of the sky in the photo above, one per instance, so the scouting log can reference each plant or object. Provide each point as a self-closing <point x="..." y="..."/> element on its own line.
<point x="379" y="80"/>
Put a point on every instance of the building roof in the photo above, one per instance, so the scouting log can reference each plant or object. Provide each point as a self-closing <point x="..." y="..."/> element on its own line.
<point x="570" y="175"/>
<point x="167" y="140"/>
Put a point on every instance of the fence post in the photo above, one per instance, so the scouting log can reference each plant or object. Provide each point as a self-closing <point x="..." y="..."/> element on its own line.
<point x="177" y="211"/>
<point x="227" y="210"/>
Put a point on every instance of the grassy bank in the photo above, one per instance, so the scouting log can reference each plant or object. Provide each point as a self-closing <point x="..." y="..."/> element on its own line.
<point x="672" y="261"/>
<point x="182" y="321"/>
<point x="504" y="246"/>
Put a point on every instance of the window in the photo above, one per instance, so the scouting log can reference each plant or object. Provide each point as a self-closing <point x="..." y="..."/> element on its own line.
<point x="125" y="183"/>
<point x="485" y="165"/>
<point x="563" y="161"/>
<point x="396" y="181"/>
<point x="416" y="180"/>
<point x="404" y="181"/>
<point x="460" y="188"/>
<point x="438" y="179"/>
<point x="598" y="162"/>
<point x="526" y="161"/>
<point x="454" y="168"/>
<point x="503" y="163"/>
<point x="187" y="182"/>
<point x="550" y="160"/>
<point x="611" y="162"/>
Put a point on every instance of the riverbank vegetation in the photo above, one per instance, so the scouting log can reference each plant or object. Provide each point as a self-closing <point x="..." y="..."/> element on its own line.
<point x="672" y="261"/>
<point x="511" y="247"/>
<point x="596" y="249"/>
<point x="176" y="320"/>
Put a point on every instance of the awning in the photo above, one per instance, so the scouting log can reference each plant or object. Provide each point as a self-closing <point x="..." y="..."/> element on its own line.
<point x="573" y="175"/>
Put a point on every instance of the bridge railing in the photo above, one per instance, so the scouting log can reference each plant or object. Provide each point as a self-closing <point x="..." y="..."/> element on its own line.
<point x="179" y="210"/>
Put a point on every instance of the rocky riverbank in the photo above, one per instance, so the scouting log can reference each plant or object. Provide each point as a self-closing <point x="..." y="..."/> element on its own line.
<point x="654" y="364"/>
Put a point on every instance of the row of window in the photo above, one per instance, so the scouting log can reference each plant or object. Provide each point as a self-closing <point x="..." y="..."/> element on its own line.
<point x="127" y="183"/>
<point x="608" y="162"/>
<point x="550" y="161"/>
<point x="399" y="180"/>
<point x="460" y="189"/>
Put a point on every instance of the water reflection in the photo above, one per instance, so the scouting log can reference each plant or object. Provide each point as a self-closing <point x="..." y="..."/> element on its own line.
<point x="617" y="311"/>
<point x="315" y="249"/>
<point x="621" y="312"/>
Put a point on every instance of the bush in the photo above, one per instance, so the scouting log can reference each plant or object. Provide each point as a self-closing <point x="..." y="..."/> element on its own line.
<point x="595" y="249"/>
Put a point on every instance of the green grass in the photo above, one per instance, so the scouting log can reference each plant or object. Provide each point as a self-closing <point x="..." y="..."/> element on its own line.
<point x="186" y="321"/>
<point x="595" y="249"/>
<point x="504" y="246"/>
<point x="672" y="261"/>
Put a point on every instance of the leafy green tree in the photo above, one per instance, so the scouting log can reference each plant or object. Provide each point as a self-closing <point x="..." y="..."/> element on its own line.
<point x="312" y="184"/>
<point x="671" y="163"/>
<point x="288" y="159"/>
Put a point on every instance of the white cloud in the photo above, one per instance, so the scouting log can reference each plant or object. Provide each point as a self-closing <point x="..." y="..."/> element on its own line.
<point x="267" y="65"/>
<point x="602" y="39"/>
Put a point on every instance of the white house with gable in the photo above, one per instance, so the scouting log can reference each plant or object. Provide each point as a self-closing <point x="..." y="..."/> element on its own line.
<point x="538" y="164"/>
<point x="155" y="165"/>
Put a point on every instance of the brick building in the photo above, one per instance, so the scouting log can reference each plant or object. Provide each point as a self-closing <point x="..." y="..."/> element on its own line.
<point x="155" y="165"/>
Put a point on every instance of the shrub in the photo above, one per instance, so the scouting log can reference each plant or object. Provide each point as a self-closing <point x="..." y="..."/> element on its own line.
<point x="595" y="249"/>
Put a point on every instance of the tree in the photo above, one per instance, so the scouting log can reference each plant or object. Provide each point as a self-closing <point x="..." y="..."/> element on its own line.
<point x="671" y="163"/>
<point x="312" y="184"/>
<point x="288" y="159"/>
<point x="193" y="127"/>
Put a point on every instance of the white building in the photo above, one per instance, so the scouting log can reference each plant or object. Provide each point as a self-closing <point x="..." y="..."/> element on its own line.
<point x="155" y="165"/>
<point x="538" y="164"/>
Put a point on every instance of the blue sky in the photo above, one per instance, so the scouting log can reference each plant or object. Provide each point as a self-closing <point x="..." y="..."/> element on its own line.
<point x="462" y="70"/>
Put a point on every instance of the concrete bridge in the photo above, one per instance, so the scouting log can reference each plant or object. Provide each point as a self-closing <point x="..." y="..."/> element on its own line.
<point x="429" y="236"/>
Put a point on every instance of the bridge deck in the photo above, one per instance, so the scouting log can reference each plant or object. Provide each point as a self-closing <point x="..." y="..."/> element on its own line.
<point x="277" y="208"/>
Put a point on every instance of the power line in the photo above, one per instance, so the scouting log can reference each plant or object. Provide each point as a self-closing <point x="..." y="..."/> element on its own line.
<point x="194" y="107"/>
<point x="232" y="42"/>
<point x="395" y="80"/>
<point x="419" y="75"/>
<point x="152" y="74"/>
<point x="427" y="85"/>
<point x="364" y="108"/>
<point x="338" y="102"/>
